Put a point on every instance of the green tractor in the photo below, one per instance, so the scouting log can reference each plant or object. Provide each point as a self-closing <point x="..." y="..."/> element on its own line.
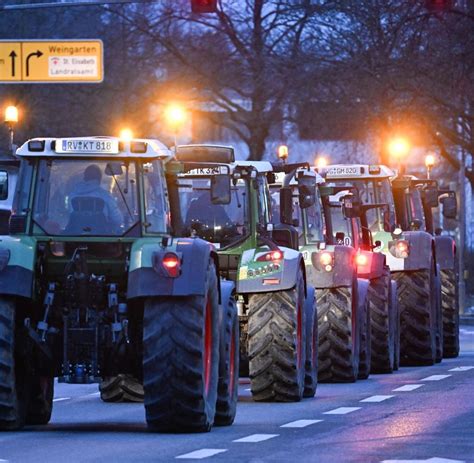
<point x="277" y="313"/>
<point x="94" y="285"/>
<point x="411" y="256"/>
<point x="9" y="166"/>
<point x="331" y="268"/>
<point x="414" y="201"/>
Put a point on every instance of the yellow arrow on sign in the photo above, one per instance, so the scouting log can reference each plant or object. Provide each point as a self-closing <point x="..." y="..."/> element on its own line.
<point x="38" y="61"/>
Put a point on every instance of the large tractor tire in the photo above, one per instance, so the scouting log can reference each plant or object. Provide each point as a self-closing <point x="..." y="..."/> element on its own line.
<point x="450" y="308"/>
<point x="365" y="351"/>
<point x="181" y="360"/>
<point x="276" y="344"/>
<point x="339" y="335"/>
<point x="311" y="348"/>
<point x="382" y="322"/>
<point x="228" y="386"/>
<point x="438" y="317"/>
<point x="40" y="406"/>
<point x="396" y="311"/>
<point x="14" y="384"/>
<point x="121" y="388"/>
<point x="417" y="317"/>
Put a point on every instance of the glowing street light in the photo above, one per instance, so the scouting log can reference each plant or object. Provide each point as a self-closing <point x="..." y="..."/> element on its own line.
<point x="175" y="115"/>
<point x="282" y="152"/>
<point x="429" y="163"/>
<point x="11" y="118"/>
<point x="126" y="135"/>
<point x="399" y="147"/>
<point x="321" y="162"/>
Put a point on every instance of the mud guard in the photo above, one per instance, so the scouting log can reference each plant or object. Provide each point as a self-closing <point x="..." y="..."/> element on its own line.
<point x="147" y="279"/>
<point x="421" y="246"/>
<point x="445" y="252"/>
<point x="362" y="292"/>
<point x="281" y="281"/>
<point x="342" y="274"/>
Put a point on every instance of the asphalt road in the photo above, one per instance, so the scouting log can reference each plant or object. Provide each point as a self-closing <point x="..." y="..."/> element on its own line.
<point x="415" y="414"/>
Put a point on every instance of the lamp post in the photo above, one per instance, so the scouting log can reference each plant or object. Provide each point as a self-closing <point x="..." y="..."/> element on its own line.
<point x="321" y="162"/>
<point x="398" y="148"/>
<point x="11" y="118"/>
<point x="429" y="163"/>
<point x="282" y="153"/>
<point x="175" y="116"/>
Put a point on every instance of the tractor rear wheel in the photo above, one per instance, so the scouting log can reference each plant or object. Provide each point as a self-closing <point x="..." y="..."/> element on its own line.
<point x="227" y="389"/>
<point x="121" y="388"/>
<point x="450" y="308"/>
<point x="181" y="360"/>
<point x="365" y="353"/>
<point x="276" y="344"/>
<point x="339" y="335"/>
<point x="311" y="349"/>
<point x="14" y="378"/>
<point x="382" y="322"/>
<point x="417" y="317"/>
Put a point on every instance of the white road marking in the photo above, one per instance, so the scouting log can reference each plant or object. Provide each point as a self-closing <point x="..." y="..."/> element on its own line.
<point x="300" y="423"/>
<point x="435" y="377"/>
<point x="60" y="399"/>
<point x="248" y="389"/>
<point x="377" y="398"/>
<point x="256" y="438"/>
<point x="342" y="411"/>
<point x="429" y="460"/>
<point x="93" y="393"/>
<point x="407" y="388"/>
<point x="200" y="454"/>
<point x="3" y="461"/>
<point x="461" y="369"/>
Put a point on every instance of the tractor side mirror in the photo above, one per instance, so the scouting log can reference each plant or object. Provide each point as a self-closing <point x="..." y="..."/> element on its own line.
<point x="3" y="185"/>
<point x="449" y="205"/>
<point x="286" y="205"/>
<point x="113" y="168"/>
<point x="220" y="189"/>
<point x="431" y="196"/>
<point x="351" y="207"/>
<point x="306" y="190"/>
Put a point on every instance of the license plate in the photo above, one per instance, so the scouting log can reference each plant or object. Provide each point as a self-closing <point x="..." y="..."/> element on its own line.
<point x="64" y="145"/>
<point x="345" y="171"/>
<point x="207" y="171"/>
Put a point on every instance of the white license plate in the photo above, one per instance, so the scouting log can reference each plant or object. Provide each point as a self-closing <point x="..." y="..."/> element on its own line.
<point x="206" y="171"/>
<point x="65" y="145"/>
<point x="345" y="171"/>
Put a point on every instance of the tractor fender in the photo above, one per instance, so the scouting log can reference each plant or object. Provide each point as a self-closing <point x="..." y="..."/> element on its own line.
<point x="17" y="264"/>
<point x="342" y="273"/>
<point x="147" y="277"/>
<point x="421" y="252"/>
<point x="445" y="252"/>
<point x="373" y="266"/>
<point x="362" y="292"/>
<point x="249" y="282"/>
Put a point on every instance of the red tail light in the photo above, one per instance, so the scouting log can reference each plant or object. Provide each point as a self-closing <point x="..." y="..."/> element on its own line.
<point x="275" y="255"/>
<point x="362" y="260"/>
<point x="172" y="264"/>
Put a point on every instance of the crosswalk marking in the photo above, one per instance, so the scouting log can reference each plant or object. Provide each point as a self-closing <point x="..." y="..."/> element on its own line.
<point x="200" y="454"/>
<point x="435" y="377"/>
<point x="299" y="423"/>
<point x="256" y="438"/>
<point x="377" y="398"/>
<point x="407" y="388"/>
<point x="342" y="411"/>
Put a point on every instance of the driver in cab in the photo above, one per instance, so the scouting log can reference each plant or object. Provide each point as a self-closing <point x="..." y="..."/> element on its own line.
<point x="90" y="188"/>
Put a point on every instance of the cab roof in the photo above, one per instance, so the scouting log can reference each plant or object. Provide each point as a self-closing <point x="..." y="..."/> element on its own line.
<point x="259" y="166"/>
<point x="355" y="171"/>
<point x="280" y="177"/>
<point x="93" y="147"/>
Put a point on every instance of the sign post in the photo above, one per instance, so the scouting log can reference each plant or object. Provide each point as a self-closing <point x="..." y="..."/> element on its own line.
<point x="42" y="61"/>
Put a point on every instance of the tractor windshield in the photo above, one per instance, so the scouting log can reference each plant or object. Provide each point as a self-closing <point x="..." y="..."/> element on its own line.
<point x="221" y="224"/>
<point x="373" y="191"/>
<point x="86" y="197"/>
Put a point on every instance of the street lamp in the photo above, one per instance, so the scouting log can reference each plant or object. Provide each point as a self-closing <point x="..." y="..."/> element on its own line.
<point x="175" y="116"/>
<point x="282" y="153"/>
<point x="320" y="163"/>
<point x="126" y="135"/>
<point x="11" y="118"/>
<point x="429" y="163"/>
<point x="398" y="148"/>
